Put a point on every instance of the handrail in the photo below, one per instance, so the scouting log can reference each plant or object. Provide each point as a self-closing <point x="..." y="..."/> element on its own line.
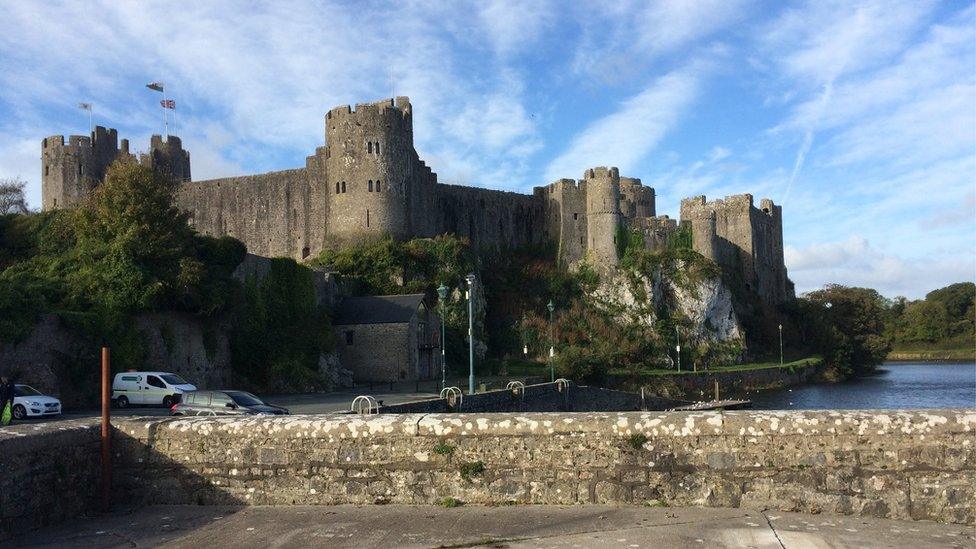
<point x="562" y="383"/>
<point x="365" y="404"/>
<point x="453" y="395"/>
<point x="517" y="387"/>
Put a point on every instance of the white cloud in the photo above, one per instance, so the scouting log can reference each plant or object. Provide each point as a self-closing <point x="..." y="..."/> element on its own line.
<point x="621" y="139"/>
<point x="266" y="75"/>
<point x="19" y="158"/>
<point x="855" y="262"/>
<point x="621" y="38"/>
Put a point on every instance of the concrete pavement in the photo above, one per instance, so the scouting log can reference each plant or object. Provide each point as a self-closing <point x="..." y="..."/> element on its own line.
<point x="472" y="526"/>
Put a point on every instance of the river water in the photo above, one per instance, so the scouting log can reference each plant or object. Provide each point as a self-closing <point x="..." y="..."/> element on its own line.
<point x="896" y="385"/>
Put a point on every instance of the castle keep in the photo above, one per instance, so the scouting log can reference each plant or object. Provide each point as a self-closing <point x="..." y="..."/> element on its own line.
<point x="368" y="181"/>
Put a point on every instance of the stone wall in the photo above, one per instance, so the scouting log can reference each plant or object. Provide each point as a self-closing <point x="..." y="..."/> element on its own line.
<point x="490" y="218"/>
<point x="542" y="397"/>
<point x="904" y="465"/>
<point x="377" y="352"/>
<point x="741" y="383"/>
<point x="52" y="356"/>
<point x="50" y="472"/>
<point x="277" y="214"/>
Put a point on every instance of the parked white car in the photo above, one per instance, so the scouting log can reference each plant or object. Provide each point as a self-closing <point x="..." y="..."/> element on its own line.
<point x="149" y="388"/>
<point x="29" y="402"/>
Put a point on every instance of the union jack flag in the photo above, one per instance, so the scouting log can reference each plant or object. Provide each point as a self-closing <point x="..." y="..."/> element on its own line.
<point x="168" y="103"/>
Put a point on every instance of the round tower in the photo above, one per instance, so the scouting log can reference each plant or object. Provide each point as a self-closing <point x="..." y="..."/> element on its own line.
<point x="602" y="215"/>
<point x="367" y="157"/>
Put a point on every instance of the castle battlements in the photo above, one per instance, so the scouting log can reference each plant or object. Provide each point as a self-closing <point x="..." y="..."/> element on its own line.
<point x="368" y="181"/>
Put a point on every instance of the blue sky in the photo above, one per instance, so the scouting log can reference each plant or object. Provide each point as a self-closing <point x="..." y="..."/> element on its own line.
<point x="858" y="117"/>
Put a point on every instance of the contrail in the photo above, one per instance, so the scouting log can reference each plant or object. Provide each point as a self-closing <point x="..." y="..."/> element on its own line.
<point x="801" y="155"/>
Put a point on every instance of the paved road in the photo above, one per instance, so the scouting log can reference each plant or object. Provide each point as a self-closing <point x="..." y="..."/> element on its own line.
<point x="310" y="403"/>
<point x="471" y="526"/>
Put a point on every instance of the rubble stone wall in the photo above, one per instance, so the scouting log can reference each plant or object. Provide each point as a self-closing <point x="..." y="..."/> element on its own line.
<point x="899" y="464"/>
<point x="51" y="472"/>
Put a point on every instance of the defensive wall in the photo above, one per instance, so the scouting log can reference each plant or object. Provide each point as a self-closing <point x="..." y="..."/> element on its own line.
<point x="732" y="384"/>
<point x="900" y="464"/>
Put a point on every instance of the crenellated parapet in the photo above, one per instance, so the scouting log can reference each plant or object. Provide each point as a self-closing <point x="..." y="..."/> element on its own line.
<point x="168" y="156"/>
<point x="71" y="169"/>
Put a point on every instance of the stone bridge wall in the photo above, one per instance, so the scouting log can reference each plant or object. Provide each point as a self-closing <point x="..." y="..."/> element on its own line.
<point x="905" y="465"/>
<point x="49" y="472"/>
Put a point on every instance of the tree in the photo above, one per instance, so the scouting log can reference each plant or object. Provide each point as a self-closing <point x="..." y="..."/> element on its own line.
<point x="12" y="200"/>
<point x="923" y="322"/>
<point x="958" y="299"/>
<point x="848" y="326"/>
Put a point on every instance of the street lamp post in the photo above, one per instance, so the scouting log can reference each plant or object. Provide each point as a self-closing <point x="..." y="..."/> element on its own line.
<point x="552" y="347"/>
<point x="677" y="347"/>
<point x="781" y="345"/>
<point x="442" y="294"/>
<point x="470" y="278"/>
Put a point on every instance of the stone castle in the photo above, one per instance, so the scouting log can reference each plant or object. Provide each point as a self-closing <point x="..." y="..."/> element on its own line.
<point x="368" y="181"/>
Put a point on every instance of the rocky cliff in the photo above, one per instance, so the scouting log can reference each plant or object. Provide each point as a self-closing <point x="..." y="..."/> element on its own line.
<point x="676" y="294"/>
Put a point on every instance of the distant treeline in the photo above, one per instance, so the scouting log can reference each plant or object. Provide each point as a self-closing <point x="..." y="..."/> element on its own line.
<point x="945" y="319"/>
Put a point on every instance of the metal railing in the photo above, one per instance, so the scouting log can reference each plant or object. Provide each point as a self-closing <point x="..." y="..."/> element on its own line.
<point x="365" y="404"/>
<point x="453" y="395"/>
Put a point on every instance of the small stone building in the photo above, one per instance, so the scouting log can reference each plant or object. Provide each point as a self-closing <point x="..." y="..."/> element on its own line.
<point x="388" y="338"/>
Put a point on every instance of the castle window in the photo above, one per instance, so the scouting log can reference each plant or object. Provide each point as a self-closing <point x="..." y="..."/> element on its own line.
<point x="575" y="215"/>
<point x="343" y="186"/>
<point x="79" y="169"/>
<point x="46" y="169"/>
<point x="369" y="147"/>
<point x="367" y="218"/>
<point x="377" y="185"/>
<point x="377" y="147"/>
<point x="581" y="241"/>
<point x="305" y="252"/>
<point x="370" y="185"/>
<point x="337" y="187"/>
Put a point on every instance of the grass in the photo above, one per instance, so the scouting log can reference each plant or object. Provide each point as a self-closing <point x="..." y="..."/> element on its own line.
<point x="469" y="470"/>
<point x="637" y="440"/>
<point x="449" y="502"/>
<point x="444" y="449"/>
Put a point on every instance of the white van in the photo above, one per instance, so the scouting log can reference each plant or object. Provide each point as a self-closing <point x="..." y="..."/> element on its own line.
<point x="148" y="388"/>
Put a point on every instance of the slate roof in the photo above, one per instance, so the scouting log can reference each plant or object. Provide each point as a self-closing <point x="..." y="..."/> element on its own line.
<point x="378" y="309"/>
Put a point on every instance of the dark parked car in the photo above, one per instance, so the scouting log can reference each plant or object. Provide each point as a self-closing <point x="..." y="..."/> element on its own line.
<point x="222" y="403"/>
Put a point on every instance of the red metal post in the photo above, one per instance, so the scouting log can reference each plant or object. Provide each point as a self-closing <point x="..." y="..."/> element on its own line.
<point x="106" y="431"/>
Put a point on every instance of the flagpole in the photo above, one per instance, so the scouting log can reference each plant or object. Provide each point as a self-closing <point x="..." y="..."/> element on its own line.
<point x="91" y="124"/>
<point x="165" y="117"/>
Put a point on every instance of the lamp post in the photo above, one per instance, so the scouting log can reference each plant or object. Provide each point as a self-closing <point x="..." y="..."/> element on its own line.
<point x="552" y="347"/>
<point x="442" y="294"/>
<point x="470" y="278"/>
<point x="780" y="345"/>
<point x="677" y="347"/>
<point x="525" y="342"/>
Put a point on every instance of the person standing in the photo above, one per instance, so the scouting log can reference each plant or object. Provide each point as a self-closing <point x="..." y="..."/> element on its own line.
<point x="6" y="400"/>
